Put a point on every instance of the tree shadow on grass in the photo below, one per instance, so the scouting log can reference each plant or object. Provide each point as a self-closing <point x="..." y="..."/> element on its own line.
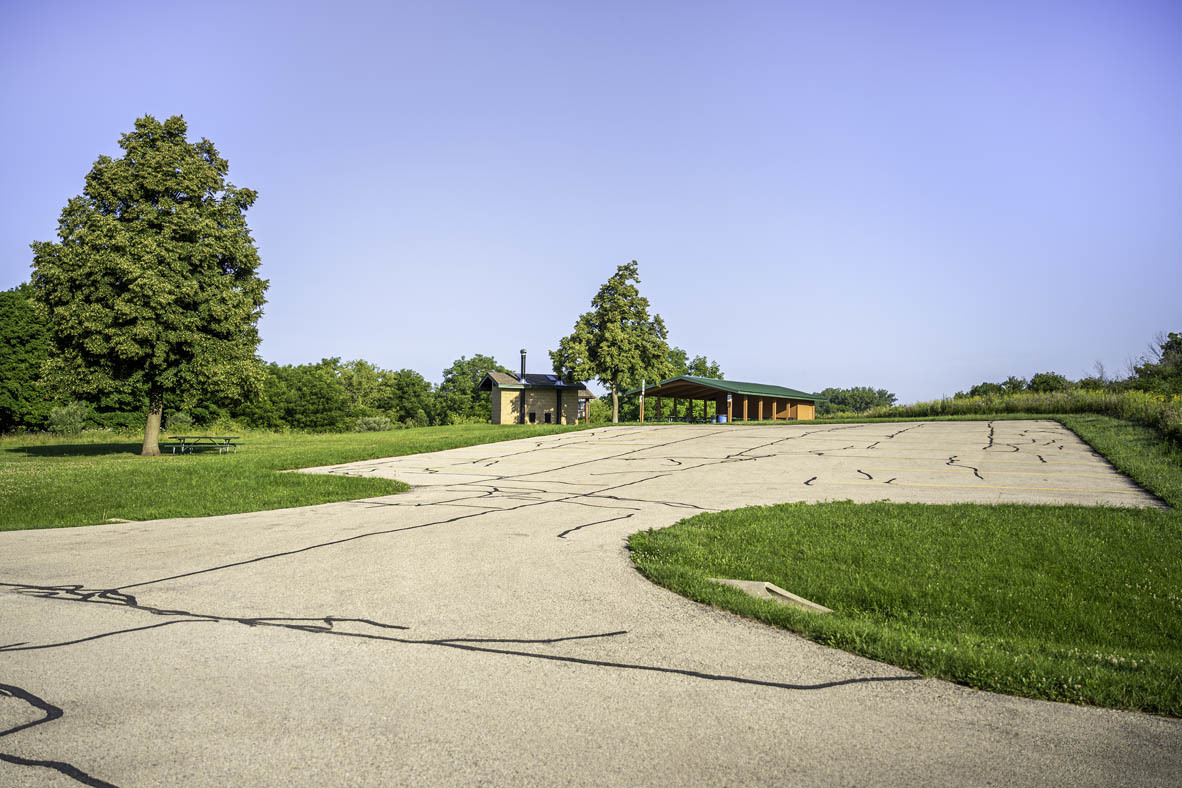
<point x="78" y="449"/>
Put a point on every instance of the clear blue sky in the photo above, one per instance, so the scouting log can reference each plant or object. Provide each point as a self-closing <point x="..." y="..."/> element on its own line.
<point x="916" y="196"/>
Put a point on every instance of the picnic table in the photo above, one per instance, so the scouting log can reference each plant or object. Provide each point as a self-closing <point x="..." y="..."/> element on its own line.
<point x="189" y="443"/>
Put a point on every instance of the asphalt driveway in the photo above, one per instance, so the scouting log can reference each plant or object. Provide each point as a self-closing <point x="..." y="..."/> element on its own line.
<point x="488" y="627"/>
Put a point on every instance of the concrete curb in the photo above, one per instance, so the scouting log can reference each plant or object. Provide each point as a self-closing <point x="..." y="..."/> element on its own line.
<point x="761" y="590"/>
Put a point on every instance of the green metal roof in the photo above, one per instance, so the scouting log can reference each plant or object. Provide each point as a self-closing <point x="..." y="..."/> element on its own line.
<point x="734" y="387"/>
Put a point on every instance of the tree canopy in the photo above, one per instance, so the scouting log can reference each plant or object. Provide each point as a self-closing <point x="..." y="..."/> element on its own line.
<point x="152" y="287"/>
<point x="857" y="399"/>
<point x="458" y="398"/>
<point x="1161" y="369"/>
<point x="617" y="342"/>
<point x="24" y="348"/>
<point x="679" y="363"/>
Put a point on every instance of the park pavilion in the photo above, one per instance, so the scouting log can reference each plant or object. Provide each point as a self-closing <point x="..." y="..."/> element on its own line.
<point x="736" y="400"/>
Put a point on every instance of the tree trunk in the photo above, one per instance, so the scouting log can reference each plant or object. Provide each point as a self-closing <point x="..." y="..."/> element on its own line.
<point x="615" y="405"/>
<point x="152" y="429"/>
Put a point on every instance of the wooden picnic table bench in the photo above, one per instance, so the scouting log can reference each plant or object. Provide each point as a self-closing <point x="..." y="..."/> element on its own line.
<point x="189" y="443"/>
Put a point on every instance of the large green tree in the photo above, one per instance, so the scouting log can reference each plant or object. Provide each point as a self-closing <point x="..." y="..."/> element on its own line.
<point x="617" y="341"/>
<point x="153" y="284"/>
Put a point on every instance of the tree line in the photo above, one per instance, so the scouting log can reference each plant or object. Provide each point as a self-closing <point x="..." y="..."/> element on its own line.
<point x="329" y="395"/>
<point x="1157" y="371"/>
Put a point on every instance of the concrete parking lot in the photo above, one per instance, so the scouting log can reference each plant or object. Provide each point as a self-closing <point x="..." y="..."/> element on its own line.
<point x="488" y="627"/>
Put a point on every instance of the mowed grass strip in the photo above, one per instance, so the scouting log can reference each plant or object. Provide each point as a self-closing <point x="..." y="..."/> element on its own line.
<point x="1067" y="603"/>
<point x="49" y="483"/>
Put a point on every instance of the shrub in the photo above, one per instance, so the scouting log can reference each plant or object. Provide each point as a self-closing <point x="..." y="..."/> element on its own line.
<point x="461" y="418"/>
<point x="374" y="424"/>
<point x="179" y="421"/>
<point x="68" y="419"/>
<point x="1046" y="382"/>
<point x="419" y="419"/>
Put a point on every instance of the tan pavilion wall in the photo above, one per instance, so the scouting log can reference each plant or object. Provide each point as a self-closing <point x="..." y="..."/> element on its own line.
<point x="805" y="411"/>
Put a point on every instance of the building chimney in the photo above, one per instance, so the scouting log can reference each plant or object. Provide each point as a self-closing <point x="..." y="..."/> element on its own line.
<point x="523" y="365"/>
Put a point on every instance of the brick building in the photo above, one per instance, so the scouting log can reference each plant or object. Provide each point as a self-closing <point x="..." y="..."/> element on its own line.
<point x="531" y="398"/>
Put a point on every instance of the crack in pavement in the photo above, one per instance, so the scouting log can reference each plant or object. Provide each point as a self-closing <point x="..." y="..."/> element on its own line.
<point x="78" y="594"/>
<point x="597" y="522"/>
<point x="952" y="461"/>
<point x="51" y="713"/>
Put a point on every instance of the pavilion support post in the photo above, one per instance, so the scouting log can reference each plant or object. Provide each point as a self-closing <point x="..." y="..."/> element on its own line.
<point x="759" y="409"/>
<point x="745" y="398"/>
<point x="730" y="416"/>
<point x="642" y="409"/>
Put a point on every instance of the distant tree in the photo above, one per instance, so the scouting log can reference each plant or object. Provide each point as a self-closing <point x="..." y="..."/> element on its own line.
<point x="266" y="410"/>
<point x="314" y="396"/>
<point x="702" y="368"/>
<point x="857" y="399"/>
<point x="1161" y="369"/>
<point x="406" y="396"/>
<point x="1098" y="380"/>
<point x="616" y="342"/>
<point x="679" y="363"/>
<point x="1013" y="385"/>
<point x="1045" y="382"/>
<point x="153" y="285"/>
<point x="676" y="363"/>
<point x="458" y="400"/>
<point x="987" y="390"/>
<point x="361" y="381"/>
<point x="24" y="348"/>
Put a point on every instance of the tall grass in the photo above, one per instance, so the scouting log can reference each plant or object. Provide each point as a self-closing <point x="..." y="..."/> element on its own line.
<point x="1161" y="412"/>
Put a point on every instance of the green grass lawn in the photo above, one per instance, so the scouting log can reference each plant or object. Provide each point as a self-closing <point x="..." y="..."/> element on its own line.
<point x="49" y="483"/>
<point x="1068" y="603"/>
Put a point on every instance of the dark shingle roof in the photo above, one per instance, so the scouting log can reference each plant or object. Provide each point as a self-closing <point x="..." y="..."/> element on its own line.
<point x="532" y="381"/>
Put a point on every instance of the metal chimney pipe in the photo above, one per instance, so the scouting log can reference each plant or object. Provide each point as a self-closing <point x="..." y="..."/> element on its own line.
<point x="522" y="419"/>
